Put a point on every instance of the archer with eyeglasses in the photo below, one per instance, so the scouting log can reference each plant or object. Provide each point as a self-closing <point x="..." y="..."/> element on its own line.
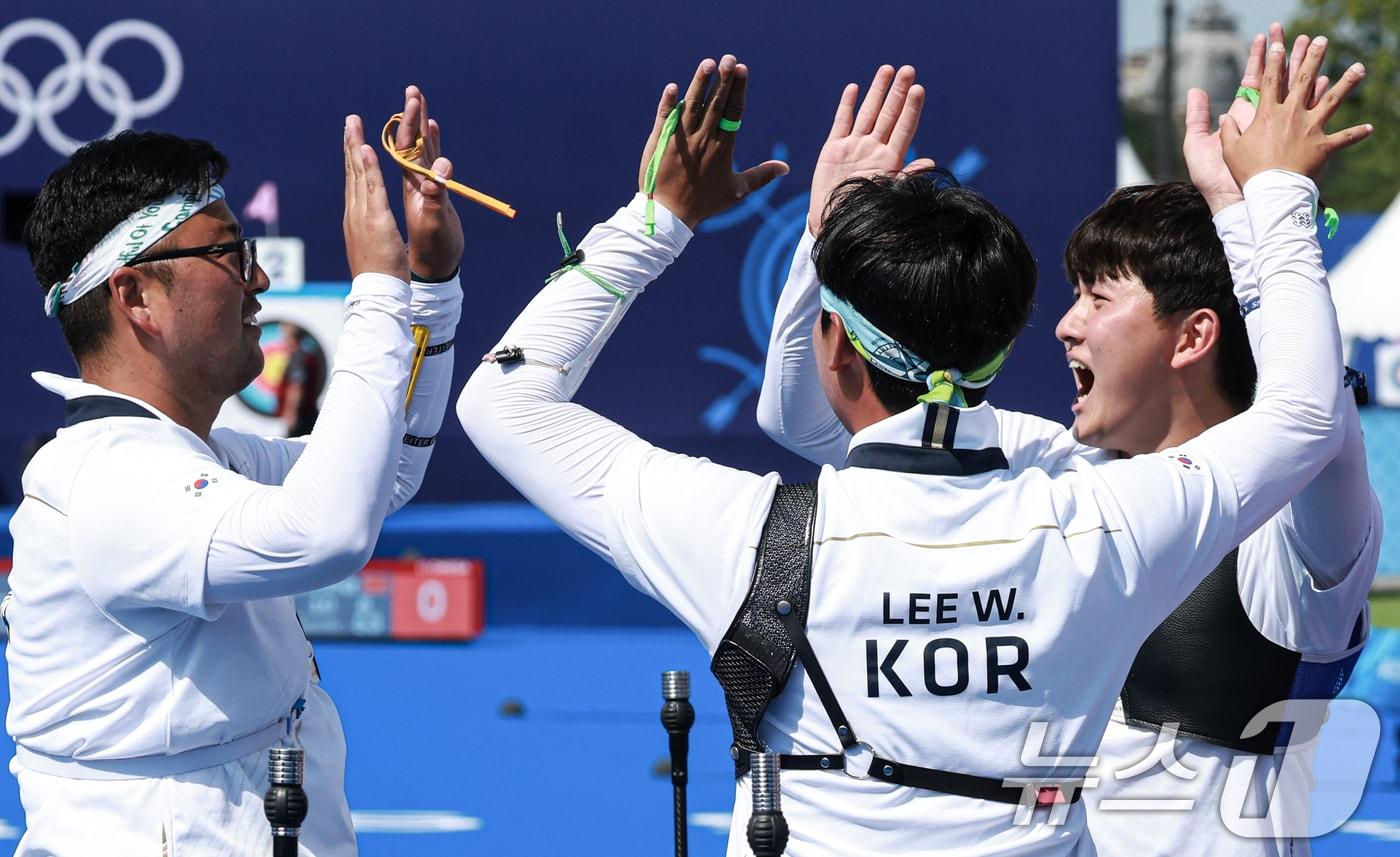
<point x="246" y="248"/>
<point x="155" y="656"/>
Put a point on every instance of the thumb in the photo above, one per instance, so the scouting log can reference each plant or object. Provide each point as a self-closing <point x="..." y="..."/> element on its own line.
<point x="1197" y="113"/>
<point x="754" y="178"/>
<point x="428" y="188"/>
<point x="1229" y="130"/>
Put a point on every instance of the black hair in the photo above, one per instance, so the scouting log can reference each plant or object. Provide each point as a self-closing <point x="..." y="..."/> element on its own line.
<point x="102" y="184"/>
<point x="935" y="266"/>
<point x="1163" y="234"/>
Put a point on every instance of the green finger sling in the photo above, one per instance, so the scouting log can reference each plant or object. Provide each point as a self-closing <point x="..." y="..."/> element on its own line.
<point x="668" y="130"/>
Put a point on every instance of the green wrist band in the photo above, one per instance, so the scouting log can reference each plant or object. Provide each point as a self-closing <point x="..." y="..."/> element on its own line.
<point x="730" y="125"/>
<point x="1248" y="93"/>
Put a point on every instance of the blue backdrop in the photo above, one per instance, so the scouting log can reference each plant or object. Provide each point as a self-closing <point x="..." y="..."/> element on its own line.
<point x="547" y="106"/>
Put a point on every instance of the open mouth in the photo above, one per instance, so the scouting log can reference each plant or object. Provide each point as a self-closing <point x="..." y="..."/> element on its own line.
<point x="1083" y="381"/>
<point x="251" y="318"/>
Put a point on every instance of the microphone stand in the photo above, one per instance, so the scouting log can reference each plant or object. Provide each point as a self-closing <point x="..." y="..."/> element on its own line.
<point x="678" y="716"/>
<point x="768" y="830"/>
<point x="285" y="804"/>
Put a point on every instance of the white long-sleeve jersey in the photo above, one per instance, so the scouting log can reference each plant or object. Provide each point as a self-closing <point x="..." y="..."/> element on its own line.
<point x="1047" y="580"/>
<point x="144" y="557"/>
<point x="1303" y="579"/>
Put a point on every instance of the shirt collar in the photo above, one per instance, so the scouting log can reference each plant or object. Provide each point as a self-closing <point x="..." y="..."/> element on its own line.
<point x="75" y="388"/>
<point x="976" y="428"/>
<point x="933" y="439"/>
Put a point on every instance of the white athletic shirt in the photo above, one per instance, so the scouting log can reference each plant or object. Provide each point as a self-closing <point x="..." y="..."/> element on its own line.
<point x="1335" y="523"/>
<point x="150" y="611"/>
<point x="1093" y="562"/>
<point x="1303" y="581"/>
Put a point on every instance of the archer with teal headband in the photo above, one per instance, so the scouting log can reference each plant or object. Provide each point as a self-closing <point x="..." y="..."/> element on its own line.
<point x="949" y="278"/>
<point x="886" y="354"/>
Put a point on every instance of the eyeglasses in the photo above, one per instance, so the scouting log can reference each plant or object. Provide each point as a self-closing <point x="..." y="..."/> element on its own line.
<point x="246" y="248"/>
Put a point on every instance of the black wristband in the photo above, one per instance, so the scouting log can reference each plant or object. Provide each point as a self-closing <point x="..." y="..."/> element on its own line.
<point x="433" y="281"/>
<point x="412" y="440"/>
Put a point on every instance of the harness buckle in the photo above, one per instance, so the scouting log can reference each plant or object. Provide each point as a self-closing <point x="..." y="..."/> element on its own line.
<point x="1049" y="796"/>
<point x="859" y="757"/>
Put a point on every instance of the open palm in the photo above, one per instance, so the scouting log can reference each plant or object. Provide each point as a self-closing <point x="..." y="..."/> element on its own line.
<point x="1205" y="160"/>
<point x="874" y="142"/>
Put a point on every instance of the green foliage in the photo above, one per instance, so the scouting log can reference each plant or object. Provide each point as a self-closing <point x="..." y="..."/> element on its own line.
<point x="1385" y="609"/>
<point x="1365" y="177"/>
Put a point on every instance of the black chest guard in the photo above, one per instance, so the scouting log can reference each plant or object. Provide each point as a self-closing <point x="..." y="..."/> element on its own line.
<point x="1208" y="669"/>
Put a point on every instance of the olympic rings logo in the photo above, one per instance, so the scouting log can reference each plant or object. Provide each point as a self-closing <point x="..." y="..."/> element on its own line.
<point x="60" y="88"/>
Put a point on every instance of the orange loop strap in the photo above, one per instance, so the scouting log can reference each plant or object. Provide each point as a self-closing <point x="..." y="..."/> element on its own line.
<point x="407" y="158"/>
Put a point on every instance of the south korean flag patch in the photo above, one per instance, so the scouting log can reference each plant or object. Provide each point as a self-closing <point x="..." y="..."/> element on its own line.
<point x="1182" y="459"/>
<point x="198" y="485"/>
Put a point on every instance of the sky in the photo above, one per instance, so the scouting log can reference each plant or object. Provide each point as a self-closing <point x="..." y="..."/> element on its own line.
<point x="1140" y="21"/>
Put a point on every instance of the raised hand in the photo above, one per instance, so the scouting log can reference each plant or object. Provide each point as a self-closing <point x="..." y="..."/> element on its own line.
<point x="435" y="239"/>
<point x="1289" y="128"/>
<point x="372" y="240"/>
<point x="1205" y="161"/>
<point x="875" y="141"/>
<point x="695" y="177"/>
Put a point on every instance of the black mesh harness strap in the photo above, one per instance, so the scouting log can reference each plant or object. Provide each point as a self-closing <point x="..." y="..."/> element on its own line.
<point x="754" y="659"/>
<point x="753" y="662"/>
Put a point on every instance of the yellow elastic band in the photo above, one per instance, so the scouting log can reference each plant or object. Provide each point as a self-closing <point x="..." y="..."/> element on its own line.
<point x="406" y="157"/>
<point x="420" y="342"/>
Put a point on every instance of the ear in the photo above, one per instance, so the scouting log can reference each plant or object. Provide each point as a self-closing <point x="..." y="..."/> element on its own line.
<point x="840" y="352"/>
<point x="136" y="298"/>
<point x="1198" y="336"/>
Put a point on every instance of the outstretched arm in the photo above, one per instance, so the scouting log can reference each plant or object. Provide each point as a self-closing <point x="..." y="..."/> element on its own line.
<point x="435" y="244"/>
<point x="1330" y="521"/>
<point x="1257" y="461"/>
<point x="792" y="408"/>
<point x="321" y="523"/>
<point x="585" y="471"/>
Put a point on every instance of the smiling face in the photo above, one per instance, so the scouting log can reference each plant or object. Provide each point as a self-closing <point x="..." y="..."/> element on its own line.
<point x="1120" y="354"/>
<point x="209" y="327"/>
